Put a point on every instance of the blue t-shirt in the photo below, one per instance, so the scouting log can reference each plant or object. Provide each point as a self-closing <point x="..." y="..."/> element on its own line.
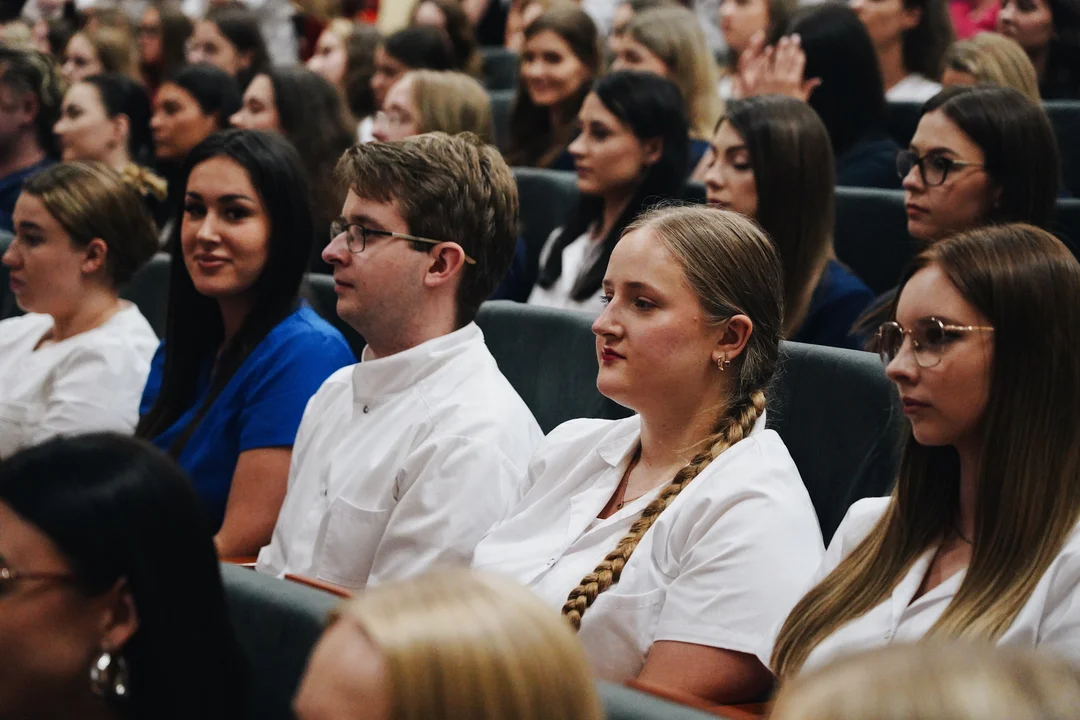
<point x="838" y="301"/>
<point x="10" y="189"/>
<point x="261" y="405"/>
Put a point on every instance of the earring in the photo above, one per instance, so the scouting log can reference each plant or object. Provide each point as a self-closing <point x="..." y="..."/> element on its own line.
<point x="109" y="675"/>
<point x="722" y="363"/>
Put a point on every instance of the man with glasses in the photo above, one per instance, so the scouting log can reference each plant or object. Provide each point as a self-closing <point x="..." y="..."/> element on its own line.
<point x="405" y="460"/>
<point x="30" y="99"/>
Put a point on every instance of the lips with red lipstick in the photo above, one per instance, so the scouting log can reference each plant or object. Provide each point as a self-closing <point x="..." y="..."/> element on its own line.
<point x="609" y="355"/>
<point x="208" y="262"/>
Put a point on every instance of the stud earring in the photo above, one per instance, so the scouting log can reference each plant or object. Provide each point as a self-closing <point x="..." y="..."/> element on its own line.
<point x="722" y="363"/>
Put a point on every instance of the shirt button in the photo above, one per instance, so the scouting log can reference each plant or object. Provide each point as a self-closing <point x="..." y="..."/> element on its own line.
<point x="365" y="409"/>
<point x="551" y="561"/>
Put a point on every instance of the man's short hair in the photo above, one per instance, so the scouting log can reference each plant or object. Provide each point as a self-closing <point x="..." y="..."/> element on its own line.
<point x="29" y="71"/>
<point x="447" y="188"/>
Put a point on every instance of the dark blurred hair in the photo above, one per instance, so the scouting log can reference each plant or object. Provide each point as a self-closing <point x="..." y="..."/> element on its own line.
<point x="193" y="328"/>
<point x="1062" y="78"/>
<point x="117" y="509"/>
<point x="241" y="27"/>
<point x="925" y="45"/>
<point x="459" y="30"/>
<point x="29" y="71"/>
<point x="650" y="107"/>
<point x="421" y="48"/>
<point x="214" y="89"/>
<point x="359" y="67"/>
<point x="534" y="142"/>
<point x="1019" y="147"/>
<point x="176" y="28"/>
<point x="851" y="97"/>
<point x="120" y="95"/>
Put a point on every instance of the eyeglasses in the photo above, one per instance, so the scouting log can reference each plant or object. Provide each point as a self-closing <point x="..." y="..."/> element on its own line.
<point x="9" y="577"/>
<point x="933" y="167"/>
<point x="929" y="338"/>
<point x="356" y="237"/>
<point x="392" y="118"/>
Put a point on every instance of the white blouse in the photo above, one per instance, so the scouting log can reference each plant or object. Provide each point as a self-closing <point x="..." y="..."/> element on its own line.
<point x="1050" y="619"/>
<point x="721" y="566"/>
<point x="576" y="258"/>
<point x="89" y="382"/>
<point x="914" y="88"/>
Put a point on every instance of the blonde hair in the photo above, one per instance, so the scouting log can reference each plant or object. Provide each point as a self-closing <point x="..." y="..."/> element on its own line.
<point x="994" y="59"/>
<point x="1028" y="486"/>
<point x="733" y="269"/>
<point x="675" y="36"/>
<point x="935" y="680"/>
<point x="115" y="48"/>
<point x="462" y="644"/>
<point x="452" y="102"/>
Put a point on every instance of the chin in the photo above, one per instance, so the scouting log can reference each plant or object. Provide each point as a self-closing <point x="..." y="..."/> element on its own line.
<point x="614" y="388"/>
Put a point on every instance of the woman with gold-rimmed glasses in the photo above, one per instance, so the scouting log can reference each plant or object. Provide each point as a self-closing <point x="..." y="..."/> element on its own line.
<point x="110" y="591"/>
<point x="980" y="539"/>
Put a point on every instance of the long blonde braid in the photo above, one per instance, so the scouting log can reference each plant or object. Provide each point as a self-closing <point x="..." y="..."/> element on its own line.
<point x="733" y="427"/>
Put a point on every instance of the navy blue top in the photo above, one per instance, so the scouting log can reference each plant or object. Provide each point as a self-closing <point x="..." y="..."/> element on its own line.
<point x="516" y="284"/>
<point x="870" y="163"/>
<point x="698" y="148"/>
<point x="261" y="405"/>
<point x="10" y="189"/>
<point x="838" y="301"/>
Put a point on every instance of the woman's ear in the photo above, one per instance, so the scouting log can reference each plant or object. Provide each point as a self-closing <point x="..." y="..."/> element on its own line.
<point x="734" y="335"/>
<point x="119" y="618"/>
<point x="121" y="130"/>
<point x="94" y="256"/>
<point x="246" y="59"/>
<point x="654" y="150"/>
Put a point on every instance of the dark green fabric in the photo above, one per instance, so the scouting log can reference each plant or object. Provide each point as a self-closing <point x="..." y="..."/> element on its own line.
<point x="546" y="198"/>
<point x="622" y="703"/>
<point x="549" y="356"/>
<point x="277" y="623"/>
<point x="840" y="418"/>
<point x="149" y="290"/>
<point x="502" y="104"/>
<point x="500" y="68"/>
<point x="871" y="235"/>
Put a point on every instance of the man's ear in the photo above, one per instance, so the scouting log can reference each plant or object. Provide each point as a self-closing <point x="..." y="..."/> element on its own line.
<point x="447" y="262"/>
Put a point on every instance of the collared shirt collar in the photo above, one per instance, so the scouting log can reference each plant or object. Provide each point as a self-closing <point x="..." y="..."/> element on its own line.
<point x="396" y="373"/>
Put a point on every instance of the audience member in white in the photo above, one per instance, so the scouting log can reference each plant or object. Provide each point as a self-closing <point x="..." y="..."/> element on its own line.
<point x="676" y="540"/>
<point x="405" y="460"/>
<point x="78" y="360"/>
<point x="980" y="539"/>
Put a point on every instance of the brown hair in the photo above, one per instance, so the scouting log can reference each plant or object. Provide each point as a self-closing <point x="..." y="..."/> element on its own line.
<point x="534" y="141"/>
<point x="925" y="45"/>
<point x="459" y="29"/>
<point x="675" y="36"/>
<point x="733" y="269"/>
<point x="1027" y="283"/>
<point x="453" y="189"/>
<point x="452" y="102"/>
<point x="115" y="49"/>
<point x="944" y="681"/>
<point x="794" y="173"/>
<point x="461" y="644"/>
<point x="994" y="59"/>
<point x="91" y="201"/>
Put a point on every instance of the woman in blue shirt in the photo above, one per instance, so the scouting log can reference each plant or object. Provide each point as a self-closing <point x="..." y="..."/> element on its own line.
<point x="242" y="355"/>
<point x="772" y="161"/>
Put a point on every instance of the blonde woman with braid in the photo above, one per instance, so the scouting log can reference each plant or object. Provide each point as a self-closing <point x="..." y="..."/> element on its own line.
<point x="675" y="540"/>
<point x="980" y="539"/>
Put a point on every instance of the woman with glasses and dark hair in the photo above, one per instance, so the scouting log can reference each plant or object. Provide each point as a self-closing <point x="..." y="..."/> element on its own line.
<point x="980" y="538"/>
<point x="111" y="596"/>
<point x="242" y="355"/>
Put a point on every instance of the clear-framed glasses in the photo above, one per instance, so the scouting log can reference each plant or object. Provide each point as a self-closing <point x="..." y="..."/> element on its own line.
<point x="933" y="167"/>
<point x="929" y="338"/>
<point x="9" y="577"/>
<point x="356" y="237"/>
<point x="392" y="118"/>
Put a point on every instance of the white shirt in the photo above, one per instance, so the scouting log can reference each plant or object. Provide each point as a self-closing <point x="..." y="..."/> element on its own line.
<point x="89" y="382"/>
<point x="275" y="21"/>
<point x="1049" y="620"/>
<point x="402" y="463"/>
<point x="721" y="566"/>
<point x="914" y="88"/>
<point x="576" y="259"/>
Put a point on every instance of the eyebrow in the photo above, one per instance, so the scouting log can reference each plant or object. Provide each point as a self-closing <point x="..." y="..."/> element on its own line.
<point x="632" y="286"/>
<point x="365" y="220"/>
<point x="223" y="199"/>
<point x="936" y="149"/>
<point x="27" y="225"/>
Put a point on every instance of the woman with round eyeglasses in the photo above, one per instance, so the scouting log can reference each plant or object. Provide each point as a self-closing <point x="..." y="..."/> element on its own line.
<point x="980" y="539"/>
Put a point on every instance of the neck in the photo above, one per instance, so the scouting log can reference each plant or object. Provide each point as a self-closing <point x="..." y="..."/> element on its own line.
<point x="670" y="435"/>
<point x="117" y="158"/>
<point x="234" y="311"/>
<point x="23" y="153"/>
<point x="92" y="311"/>
<point x="969" y="485"/>
<point x="425" y="324"/>
<point x="614" y="205"/>
<point x="891" y="60"/>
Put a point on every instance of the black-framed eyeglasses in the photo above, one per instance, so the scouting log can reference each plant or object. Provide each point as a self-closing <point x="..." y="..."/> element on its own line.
<point x="933" y="167"/>
<point x="356" y="236"/>
<point x="929" y="338"/>
<point x="9" y="577"/>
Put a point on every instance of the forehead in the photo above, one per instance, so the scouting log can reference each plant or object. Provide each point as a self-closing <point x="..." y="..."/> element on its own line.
<point x="384" y="214"/>
<point x="400" y="92"/>
<point x="170" y="92"/>
<point x="207" y="30"/>
<point x="220" y="176"/>
<point x="260" y="87"/>
<point x="593" y="109"/>
<point x="936" y="130"/>
<point x="30" y="208"/>
<point x="548" y="41"/>
<point x="80" y="45"/>
<point x="929" y="292"/>
<point x="24" y="547"/>
<point x="727" y="136"/>
<point x="641" y="257"/>
<point x="83" y="94"/>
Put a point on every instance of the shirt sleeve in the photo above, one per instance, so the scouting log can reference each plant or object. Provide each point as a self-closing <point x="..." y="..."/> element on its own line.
<point x="451" y="492"/>
<point x="91" y="392"/>
<point x="740" y="574"/>
<point x="282" y="384"/>
<point x="153" y="381"/>
<point x="1060" y="631"/>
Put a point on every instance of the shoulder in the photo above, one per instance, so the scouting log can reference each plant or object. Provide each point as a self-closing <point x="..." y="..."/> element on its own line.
<point x="305" y="339"/>
<point x="860" y="519"/>
<point x="14" y="331"/>
<point x="591" y="432"/>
